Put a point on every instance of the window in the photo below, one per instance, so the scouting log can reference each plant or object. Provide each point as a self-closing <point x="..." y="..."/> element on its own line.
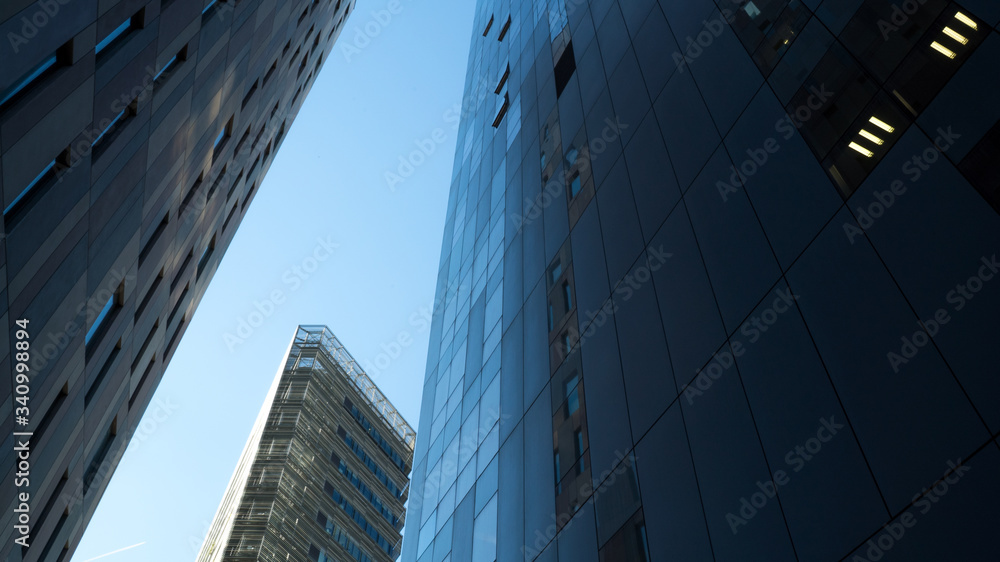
<point x="50" y="414"/>
<point x="170" y="342"/>
<point x="253" y="186"/>
<point x="206" y="254"/>
<point x="504" y="29"/>
<point x="574" y="185"/>
<point x="270" y="71"/>
<point x="221" y="138"/>
<point x="177" y="305"/>
<point x="578" y="443"/>
<point x="571" y="156"/>
<point x="555" y="273"/>
<point x="253" y="166"/>
<point x="168" y="69"/>
<point x="376" y="436"/>
<point x="489" y="24"/>
<point x="640" y="532"/>
<point x="216" y="184"/>
<point x="243" y="141"/>
<point x="149" y="295"/>
<point x="108" y="363"/>
<point x="145" y="375"/>
<point x="97" y="462"/>
<point x="358" y="518"/>
<point x="116" y="124"/>
<point x="302" y="65"/>
<point x="144" y="253"/>
<point x="369" y="495"/>
<point x="180" y="271"/>
<point x="502" y="111"/>
<point x="341" y="537"/>
<point x="208" y="7"/>
<point x="979" y="166"/>
<point x="232" y="188"/>
<point x="503" y="80"/>
<point x="31" y="76"/>
<point x="249" y="94"/>
<point x="114" y="301"/>
<point x="145" y="344"/>
<point x="117" y="33"/>
<point x="49" y="168"/>
<point x="567" y="298"/>
<point x="767" y="31"/>
<point x="558" y="480"/>
<point x="565" y="68"/>
<point x="281" y="133"/>
<point x="572" y="396"/>
<point x="370" y="463"/>
<point x="229" y="217"/>
<point x="190" y="195"/>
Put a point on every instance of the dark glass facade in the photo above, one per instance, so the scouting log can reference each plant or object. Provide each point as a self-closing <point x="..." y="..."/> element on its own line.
<point x="133" y="137"/>
<point x="324" y="474"/>
<point x="717" y="283"/>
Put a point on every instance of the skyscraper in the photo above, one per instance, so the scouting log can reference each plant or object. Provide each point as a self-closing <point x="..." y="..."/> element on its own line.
<point x="323" y="476"/>
<point x="133" y="137"/>
<point x="717" y="283"/>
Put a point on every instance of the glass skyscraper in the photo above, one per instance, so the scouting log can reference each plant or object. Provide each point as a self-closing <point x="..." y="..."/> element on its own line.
<point x="718" y="282"/>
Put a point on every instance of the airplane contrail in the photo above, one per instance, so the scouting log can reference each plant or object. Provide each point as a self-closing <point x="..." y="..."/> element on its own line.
<point x="115" y="551"/>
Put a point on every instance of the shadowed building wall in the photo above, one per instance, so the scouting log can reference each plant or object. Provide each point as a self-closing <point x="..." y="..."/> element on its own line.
<point x="133" y="137"/>
<point x="718" y="282"/>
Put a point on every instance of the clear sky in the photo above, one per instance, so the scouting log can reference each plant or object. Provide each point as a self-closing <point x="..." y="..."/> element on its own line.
<point x="327" y="182"/>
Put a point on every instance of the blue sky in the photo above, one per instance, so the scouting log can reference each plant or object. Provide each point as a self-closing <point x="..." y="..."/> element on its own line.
<point x="328" y="182"/>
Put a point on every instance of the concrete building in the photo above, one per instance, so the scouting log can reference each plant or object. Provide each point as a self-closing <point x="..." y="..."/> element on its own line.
<point x="718" y="283"/>
<point x="324" y="474"/>
<point x="133" y="137"/>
